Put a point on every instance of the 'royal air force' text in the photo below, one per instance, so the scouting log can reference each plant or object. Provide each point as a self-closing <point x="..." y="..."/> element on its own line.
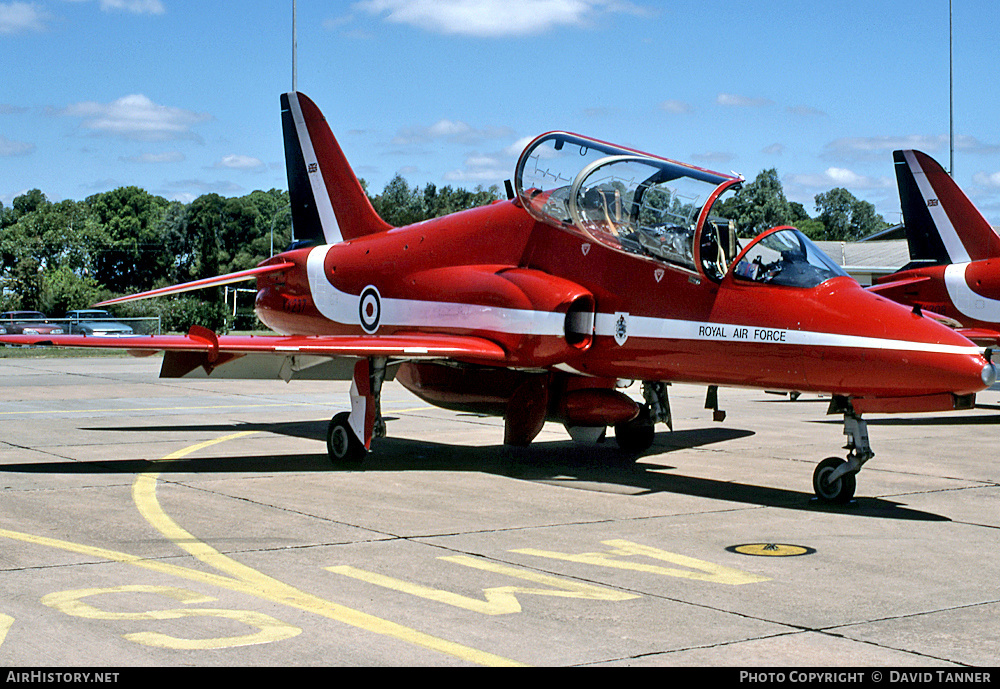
<point x="729" y="332"/>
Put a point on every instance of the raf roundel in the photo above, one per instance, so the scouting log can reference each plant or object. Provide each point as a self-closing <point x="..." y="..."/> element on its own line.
<point x="370" y="309"/>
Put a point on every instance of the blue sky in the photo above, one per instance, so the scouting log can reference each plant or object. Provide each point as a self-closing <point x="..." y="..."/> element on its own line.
<point x="181" y="97"/>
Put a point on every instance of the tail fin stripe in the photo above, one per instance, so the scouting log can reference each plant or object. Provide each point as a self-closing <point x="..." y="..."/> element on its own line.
<point x="328" y="219"/>
<point x="949" y="236"/>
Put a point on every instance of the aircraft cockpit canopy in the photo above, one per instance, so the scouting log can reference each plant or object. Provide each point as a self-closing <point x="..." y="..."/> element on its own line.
<point x="785" y="256"/>
<point x="629" y="200"/>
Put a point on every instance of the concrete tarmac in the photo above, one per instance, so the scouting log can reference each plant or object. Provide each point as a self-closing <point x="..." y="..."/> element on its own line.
<point x="199" y="523"/>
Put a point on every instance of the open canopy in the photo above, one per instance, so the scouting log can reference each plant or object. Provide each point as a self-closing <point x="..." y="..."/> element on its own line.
<point x="629" y="200"/>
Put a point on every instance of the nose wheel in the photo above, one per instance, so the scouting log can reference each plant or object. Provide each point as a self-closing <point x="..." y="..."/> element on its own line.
<point x="835" y="479"/>
<point x="839" y="490"/>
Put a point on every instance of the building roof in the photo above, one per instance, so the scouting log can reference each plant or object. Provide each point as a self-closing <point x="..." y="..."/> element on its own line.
<point x="884" y="256"/>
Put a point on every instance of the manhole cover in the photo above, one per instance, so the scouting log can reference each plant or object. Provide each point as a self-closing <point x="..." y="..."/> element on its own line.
<point x="771" y="550"/>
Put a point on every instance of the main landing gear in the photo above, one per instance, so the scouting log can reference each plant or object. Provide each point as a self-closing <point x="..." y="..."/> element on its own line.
<point x="637" y="435"/>
<point x="349" y="434"/>
<point x="835" y="479"/>
<point x="342" y="444"/>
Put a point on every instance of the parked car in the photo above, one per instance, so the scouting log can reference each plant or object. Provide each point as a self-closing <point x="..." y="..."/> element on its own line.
<point x="96" y="323"/>
<point x="27" y="323"/>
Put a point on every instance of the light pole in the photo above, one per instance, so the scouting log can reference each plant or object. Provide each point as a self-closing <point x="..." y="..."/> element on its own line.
<point x="295" y="64"/>
<point x="951" y="95"/>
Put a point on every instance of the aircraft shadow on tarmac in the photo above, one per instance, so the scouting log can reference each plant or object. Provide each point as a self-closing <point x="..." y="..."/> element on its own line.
<point x="598" y="468"/>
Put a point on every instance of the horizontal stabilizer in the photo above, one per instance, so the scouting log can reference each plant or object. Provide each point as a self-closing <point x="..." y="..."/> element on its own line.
<point x="884" y="288"/>
<point x="981" y="336"/>
<point x="218" y="280"/>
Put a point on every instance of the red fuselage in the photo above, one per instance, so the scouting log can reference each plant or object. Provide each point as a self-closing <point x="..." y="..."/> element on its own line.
<point x="554" y="299"/>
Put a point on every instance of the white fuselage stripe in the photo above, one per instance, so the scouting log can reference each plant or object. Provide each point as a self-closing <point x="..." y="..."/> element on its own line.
<point x="345" y="308"/>
<point x="672" y="329"/>
<point x="965" y="299"/>
<point x="328" y="219"/>
<point x="341" y="307"/>
<point x="949" y="236"/>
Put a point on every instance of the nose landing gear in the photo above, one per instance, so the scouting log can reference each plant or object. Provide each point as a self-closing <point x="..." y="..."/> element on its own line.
<point x="835" y="479"/>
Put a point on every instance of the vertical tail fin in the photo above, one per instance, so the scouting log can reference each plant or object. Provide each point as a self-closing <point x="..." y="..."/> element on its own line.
<point x="328" y="203"/>
<point x="941" y="223"/>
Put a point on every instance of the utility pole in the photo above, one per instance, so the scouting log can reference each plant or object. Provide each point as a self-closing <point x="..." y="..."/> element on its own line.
<point x="295" y="64"/>
<point x="951" y="95"/>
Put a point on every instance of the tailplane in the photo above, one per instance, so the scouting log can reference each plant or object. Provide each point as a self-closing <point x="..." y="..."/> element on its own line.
<point x="942" y="225"/>
<point x="329" y="204"/>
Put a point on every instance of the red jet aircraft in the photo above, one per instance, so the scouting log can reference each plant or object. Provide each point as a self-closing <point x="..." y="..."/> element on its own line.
<point x="605" y="265"/>
<point x="955" y="253"/>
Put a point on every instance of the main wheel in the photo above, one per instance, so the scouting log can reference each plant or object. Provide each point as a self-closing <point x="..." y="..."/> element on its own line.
<point x="838" y="491"/>
<point x="342" y="445"/>
<point x="637" y="435"/>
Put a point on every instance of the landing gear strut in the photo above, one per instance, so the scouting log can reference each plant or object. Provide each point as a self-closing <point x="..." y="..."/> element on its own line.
<point x="349" y="434"/>
<point x="835" y="479"/>
<point x="637" y="435"/>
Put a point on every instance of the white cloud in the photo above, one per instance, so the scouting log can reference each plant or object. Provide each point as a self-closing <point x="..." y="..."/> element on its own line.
<point x="880" y="147"/>
<point x="17" y="17"/>
<point x="731" y="100"/>
<point x="517" y="148"/>
<point x="134" y="6"/>
<point x="712" y="157"/>
<point x="841" y="177"/>
<point x="221" y="187"/>
<point x="9" y="149"/>
<point x="137" y="118"/>
<point x="805" y="111"/>
<point x="495" y="18"/>
<point x="240" y="162"/>
<point x="985" y="179"/>
<point x="676" y="107"/>
<point x="481" y="169"/>
<point x="157" y="158"/>
<point x="448" y="130"/>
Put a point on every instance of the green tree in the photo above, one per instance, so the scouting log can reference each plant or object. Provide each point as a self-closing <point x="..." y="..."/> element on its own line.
<point x="134" y="253"/>
<point x="845" y="217"/>
<point x="760" y="204"/>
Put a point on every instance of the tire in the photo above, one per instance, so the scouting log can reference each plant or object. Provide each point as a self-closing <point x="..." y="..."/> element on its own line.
<point x="840" y="491"/>
<point x="637" y="435"/>
<point x="342" y="446"/>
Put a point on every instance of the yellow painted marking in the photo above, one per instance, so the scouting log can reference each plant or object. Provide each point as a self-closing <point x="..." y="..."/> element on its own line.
<point x="250" y="581"/>
<point x="271" y="629"/>
<point x="244" y="579"/>
<point x="6" y="622"/>
<point x="698" y="570"/>
<point x="500" y="600"/>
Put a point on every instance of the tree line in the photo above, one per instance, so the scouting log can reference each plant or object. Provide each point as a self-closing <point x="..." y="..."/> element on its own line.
<point x="57" y="256"/>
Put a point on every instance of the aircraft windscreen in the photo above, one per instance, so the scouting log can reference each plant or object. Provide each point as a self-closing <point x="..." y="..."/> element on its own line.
<point x="786" y="257"/>
<point x="628" y="200"/>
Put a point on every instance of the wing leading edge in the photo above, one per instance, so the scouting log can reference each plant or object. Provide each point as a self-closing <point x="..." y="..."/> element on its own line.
<point x="202" y="348"/>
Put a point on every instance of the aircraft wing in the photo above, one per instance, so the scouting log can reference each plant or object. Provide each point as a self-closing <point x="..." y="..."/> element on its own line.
<point x="202" y="348"/>
<point x="886" y="287"/>
<point x="981" y="336"/>
<point x="218" y="280"/>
